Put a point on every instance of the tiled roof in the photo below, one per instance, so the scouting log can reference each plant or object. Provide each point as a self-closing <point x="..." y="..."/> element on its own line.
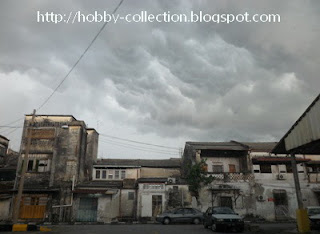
<point x="217" y="145"/>
<point x="260" y="146"/>
<point x="166" y="163"/>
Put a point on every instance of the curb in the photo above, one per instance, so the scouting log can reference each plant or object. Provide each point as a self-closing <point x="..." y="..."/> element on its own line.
<point x="22" y="228"/>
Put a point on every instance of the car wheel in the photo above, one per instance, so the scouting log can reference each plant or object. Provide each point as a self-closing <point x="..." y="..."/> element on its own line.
<point x="196" y="221"/>
<point x="214" y="227"/>
<point x="166" y="221"/>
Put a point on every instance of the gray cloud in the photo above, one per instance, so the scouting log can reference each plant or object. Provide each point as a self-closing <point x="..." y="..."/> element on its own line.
<point x="163" y="83"/>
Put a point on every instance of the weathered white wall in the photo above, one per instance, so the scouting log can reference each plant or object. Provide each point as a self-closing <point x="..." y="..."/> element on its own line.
<point x="222" y="161"/>
<point x="127" y="206"/>
<point x="5" y="209"/>
<point x="160" y="172"/>
<point x="145" y="200"/>
<point x="108" y="208"/>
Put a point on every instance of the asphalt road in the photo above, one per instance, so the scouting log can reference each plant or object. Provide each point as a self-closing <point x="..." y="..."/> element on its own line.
<point x="161" y="229"/>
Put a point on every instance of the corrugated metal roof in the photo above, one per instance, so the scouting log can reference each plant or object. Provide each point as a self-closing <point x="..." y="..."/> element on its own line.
<point x="304" y="136"/>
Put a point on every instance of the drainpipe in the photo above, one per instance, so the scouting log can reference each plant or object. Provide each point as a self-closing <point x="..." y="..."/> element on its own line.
<point x="71" y="200"/>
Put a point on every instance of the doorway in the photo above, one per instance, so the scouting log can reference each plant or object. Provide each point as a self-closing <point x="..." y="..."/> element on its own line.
<point x="156" y="205"/>
<point x="87" y="211"/>
<point x="226" y="202"/>
<point x="281" y="204"/>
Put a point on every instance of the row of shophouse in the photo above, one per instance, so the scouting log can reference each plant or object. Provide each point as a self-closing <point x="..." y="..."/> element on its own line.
<point x="65" y="182"/>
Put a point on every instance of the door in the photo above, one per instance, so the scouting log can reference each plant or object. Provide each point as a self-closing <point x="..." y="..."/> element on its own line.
<point x="156" y="205"/>
<point x="87" y="211"/>
<point x="226" y="202"/>
<point x="33" y="207"/>
<point x="280" y="204"/>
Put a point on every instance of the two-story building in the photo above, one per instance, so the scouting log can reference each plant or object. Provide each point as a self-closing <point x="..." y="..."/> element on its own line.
<point x="252" y="180"/>
<point x="129" y="189"/>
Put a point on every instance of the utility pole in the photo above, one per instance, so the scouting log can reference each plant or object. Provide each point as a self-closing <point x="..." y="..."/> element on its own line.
<point x="16" y="210"/>
<point x="296" y="180"/>
<point x="303" y="221"/>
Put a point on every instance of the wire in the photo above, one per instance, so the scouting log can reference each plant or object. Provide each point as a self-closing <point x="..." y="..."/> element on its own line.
<point x="7" y="124"/>
<point x="139" y="148"/>
<point x="138" y="142"/>
<point x="142" y="147"/>
<point x="76" y="63"/>
<point x="4" y="126"/>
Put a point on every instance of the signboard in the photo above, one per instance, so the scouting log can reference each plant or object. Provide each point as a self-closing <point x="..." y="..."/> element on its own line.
<point x="42" y="133"/>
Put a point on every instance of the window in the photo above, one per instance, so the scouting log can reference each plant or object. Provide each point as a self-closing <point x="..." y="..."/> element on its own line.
<point x="104" y="174"/>
<point x="130" y="195"/>
<point x="98" y="174"/>
<point x="38" y="165"/>
<point x="217" y="168"/>
<point x="256" y="168"/>
<point x="30" y="165"/>
<point x="153" y="186"/>
<point x="232" y="168"/>
<point x="265" y="168"/>
<point x="289" y="168"/>
<point x="117" y="174"/>
<point x="43" y="165"/>
<point x="110" y="174"/>
<point x="2" y="151"/>
<point x="123" y="174"/>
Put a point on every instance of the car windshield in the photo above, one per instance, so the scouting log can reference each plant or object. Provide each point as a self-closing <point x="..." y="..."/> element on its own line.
<point x="314" y="211"/>
<point x="222" y="210"/>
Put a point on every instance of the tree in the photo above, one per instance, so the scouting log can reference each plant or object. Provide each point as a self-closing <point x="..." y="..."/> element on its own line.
<point x="197" y="177"/>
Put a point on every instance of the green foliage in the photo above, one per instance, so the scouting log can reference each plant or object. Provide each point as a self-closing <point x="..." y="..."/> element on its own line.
<point x="197" y="177"/>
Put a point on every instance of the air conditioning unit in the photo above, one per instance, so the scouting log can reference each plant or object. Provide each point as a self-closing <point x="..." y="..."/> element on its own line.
<point x="281" y="176"/>
<point x="171" y="180"/>
<point x="260" y="198"/>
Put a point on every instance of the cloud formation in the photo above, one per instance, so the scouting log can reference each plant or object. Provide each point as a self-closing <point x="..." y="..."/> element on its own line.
<point x="163" y="83"/>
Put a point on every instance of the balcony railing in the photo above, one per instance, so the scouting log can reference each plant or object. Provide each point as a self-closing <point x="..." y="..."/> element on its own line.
<point x="314" y="177"/>
<point x="232" y="177"/>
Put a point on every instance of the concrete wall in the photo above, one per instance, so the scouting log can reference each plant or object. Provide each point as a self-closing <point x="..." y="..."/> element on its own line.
<point x="145" y="200"/>
<point x="108" y="208"/>
<point x="160" y="172"/>
<point x="128" y="207"/>
<point x="5" y="208"/>
<point x="224" y="161"/>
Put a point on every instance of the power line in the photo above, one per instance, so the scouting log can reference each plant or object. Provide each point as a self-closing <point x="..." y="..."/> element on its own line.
<point x="142" y="147"/>
<point x="138" y="142"/>
<point x="5" y="126"/>
<point x="76" y="63"/>
<point x="121" y="145"/>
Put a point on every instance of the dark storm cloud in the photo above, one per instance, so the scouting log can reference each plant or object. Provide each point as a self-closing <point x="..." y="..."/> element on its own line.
<point x="164" y="82"/>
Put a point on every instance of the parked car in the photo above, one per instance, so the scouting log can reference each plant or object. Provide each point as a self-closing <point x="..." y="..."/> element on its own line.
<point x="181" y="215"/>
<point x="222" y="218"/>
<point x="314" y="216"/>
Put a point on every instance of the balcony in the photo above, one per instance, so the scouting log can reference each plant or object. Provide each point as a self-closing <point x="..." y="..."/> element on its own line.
<point x="314" y="177"/>
<point x="232" y="177"/>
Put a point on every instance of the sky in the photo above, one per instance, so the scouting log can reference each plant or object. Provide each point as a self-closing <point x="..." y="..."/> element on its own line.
<point x="161" y="83"/>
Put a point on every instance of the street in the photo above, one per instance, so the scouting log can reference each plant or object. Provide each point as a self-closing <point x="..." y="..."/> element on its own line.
<point x="163" y="229"/>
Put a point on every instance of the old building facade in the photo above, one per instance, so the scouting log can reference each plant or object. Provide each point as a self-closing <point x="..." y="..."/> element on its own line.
<point x="129" y="189"/>
<point x="61" y="155"/>
<point x="251" y="180"/>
